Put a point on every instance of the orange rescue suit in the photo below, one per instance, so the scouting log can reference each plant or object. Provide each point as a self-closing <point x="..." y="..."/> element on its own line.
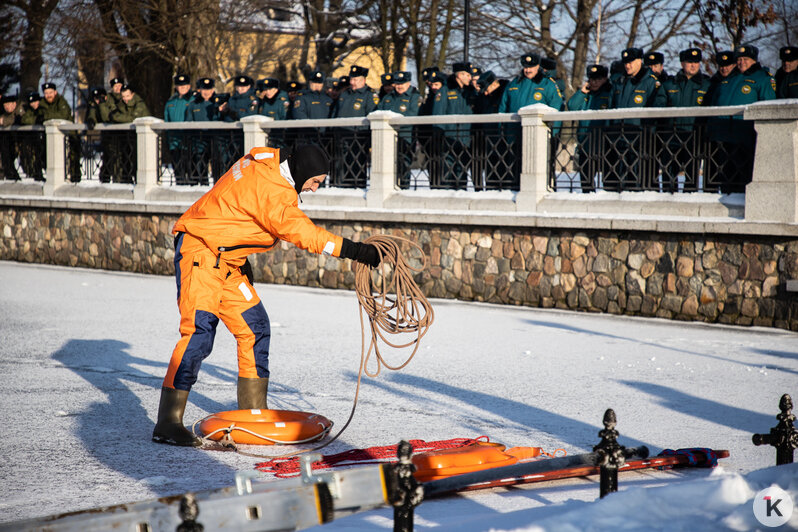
<point x="248" y="210"/>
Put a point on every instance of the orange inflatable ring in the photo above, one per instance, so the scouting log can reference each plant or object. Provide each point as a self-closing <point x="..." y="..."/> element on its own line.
<point x="441" y="464"/>
<point x="265" y="427"/>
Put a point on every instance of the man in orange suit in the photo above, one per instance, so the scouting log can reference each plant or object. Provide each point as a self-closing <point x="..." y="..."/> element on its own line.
<point x="248" y="210"/>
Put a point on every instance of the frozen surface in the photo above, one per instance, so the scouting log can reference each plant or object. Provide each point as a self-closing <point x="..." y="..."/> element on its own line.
<point x="83" y="353"/>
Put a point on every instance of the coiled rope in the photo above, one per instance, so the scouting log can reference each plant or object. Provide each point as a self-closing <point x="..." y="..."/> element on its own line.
<point x="393" y="304"/>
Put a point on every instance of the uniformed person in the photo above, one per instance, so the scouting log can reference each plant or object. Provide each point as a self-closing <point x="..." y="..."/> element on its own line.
<point x="32" y="154"/>
<point x="488" y="145"/>
<point x="294" y="89"/>
<point x="130" y="107"/>
<point x="332" y="88"/>
<point x="352" y="157"/>
<point x="115" y="92"/>
<point x="99" y="111"/>
<point x="753" y="84"/>
<point x="12" y="116"/>
<point x="386" y="85"/>
<point x="433" y="79"/>
<point x="472" y="91"/>
<point x="617" y="73"/>
<point x="55" y="107"/>
<point x="456" y="138"/>
<point x="243" y="102"/>
<point x="787" y="75"/>
<point x="530" y="86"/>
<point x="549" y="67"/>
<point x="274" y="102"/>
<point x="175" y="111"/>
<point x="679" y="137"/>
<point x="429" y="145"/>
<point x="656" y="62"/>
<point x="719" y="160"/>
<point x="594" y="95"/>
<point x="405" y="100"/>
<point x="203" y="107"/>
<point x="425" y="77"/>
<point x="313" y="103"/>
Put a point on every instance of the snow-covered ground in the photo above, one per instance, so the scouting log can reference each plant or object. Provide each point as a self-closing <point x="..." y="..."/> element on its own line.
<point x="83" y="353"/>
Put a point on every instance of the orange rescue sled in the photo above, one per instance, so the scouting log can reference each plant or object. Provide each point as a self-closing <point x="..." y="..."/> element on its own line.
<point x="265" y="427"/>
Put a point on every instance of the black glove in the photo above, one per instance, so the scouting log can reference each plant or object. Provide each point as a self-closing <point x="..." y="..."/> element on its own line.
<point x="246" y="270"/>
<point x="364" y="253"/>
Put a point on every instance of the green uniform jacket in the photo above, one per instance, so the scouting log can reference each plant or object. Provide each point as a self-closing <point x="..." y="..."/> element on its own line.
<point x="754" y="85"/>
<point x="100" y="113"/>
<point x="406" y="104"/>
<point x="59" y="109"/>
<point x="277" y="107"/>
<point x="786" y="84"/>
<point x="175" y="108"/>
<point x="356" y="103"/>
<point x="429" y="101"/>
<point x="451" y="100"/>
<point x="522" y="91"/>
<point x="199" y="110"/>
<point x="641" y="90"/>
<point x="592" y="101"/>
<point x="312" y="104"/>
<point x="32" y="116"/>
<point x="127" y="112"/>
<point x="241" y="105"/>
<point x="682" y="91"/>
<point x="738" y="88"/>
<point x="12" y="119"/>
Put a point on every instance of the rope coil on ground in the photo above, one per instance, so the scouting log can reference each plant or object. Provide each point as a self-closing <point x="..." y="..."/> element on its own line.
<point x="393" y="304"/>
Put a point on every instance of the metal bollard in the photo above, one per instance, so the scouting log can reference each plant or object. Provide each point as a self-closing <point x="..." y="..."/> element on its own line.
<point x="409" y="492"/>
<point x="783" y="436"/>
<point x="189" y="510"/>
<point x="610" y="455"/>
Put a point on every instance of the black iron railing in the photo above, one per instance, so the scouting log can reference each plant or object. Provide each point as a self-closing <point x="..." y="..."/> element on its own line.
<point x="22" y="153"/>
<point x="107" y="155"/>
<point x="197" y="156"/>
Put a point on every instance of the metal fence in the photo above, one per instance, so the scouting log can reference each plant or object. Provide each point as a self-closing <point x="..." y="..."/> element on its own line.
<point x="22" y="153"/>
<point x="106" y="154"/>
<point x="678" y="153"/>
<point x="197" y="156"/>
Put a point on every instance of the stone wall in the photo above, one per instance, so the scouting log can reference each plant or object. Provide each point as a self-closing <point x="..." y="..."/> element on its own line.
<point x="731" y="279"/>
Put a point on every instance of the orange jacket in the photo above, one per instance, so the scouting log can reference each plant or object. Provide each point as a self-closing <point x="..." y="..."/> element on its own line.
<point x="249" y="208"/>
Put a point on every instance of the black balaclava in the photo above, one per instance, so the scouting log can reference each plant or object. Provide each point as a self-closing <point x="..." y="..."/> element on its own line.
<point x="305" y="162"/>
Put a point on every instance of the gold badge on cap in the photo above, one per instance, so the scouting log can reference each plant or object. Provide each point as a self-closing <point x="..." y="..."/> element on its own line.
<point x="528" y="58"/>
<point x="695" y="52"/>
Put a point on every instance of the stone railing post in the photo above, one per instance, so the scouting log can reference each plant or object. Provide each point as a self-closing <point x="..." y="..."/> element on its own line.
<point x="534" y="156"/>
<point x="254" y="135"/>
<point x="383" y="158"/>
<point x="146" y="157"/>
<point x="56" y="166"/>
<point x="772" y="194"/>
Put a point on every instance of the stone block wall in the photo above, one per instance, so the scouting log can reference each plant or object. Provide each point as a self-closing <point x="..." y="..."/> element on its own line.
<point x="730" y="279"/>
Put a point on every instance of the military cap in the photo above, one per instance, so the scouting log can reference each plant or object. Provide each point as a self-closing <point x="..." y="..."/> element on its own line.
<point x="317" y="76"/>
<point x="358" y="71"/>
<point x="691" y="55"/>
<point x="427" y="71"/>
<point x="387" y="79"/>
<point x="294" y="86"/>
<point x="219" y="99"/>
<point x="630" y="54"/>
<point x="476" y="71"/>
<point x="344" y="80"/>
<point x="268" y="83"/>
<point x="127" y="87"/>
<point x="748" y="50"/>
<point x="33" y="97"/>
<point x="725" y="58"/>
<point x="530" y="60"/>
<point x="597" y="72"/>
<point x="485" y="79"/>
<point x="332" y="83"/>
<point x="435" y="75"/>
<point x="96" y="92"/>
<point x="182" y="79"/>
<point x="48" y="85"/>
<point x="547" y="63"/>
<point x="654" y="58"/>
<point x="114" y="81"/>
<point x="7" y="99"/>
<point x="243" y="81"/>
<point x="402" y="77"/>
<point x="461" y="66"/>
<point x="206" y="83"/>
<point x="788" y="53"/>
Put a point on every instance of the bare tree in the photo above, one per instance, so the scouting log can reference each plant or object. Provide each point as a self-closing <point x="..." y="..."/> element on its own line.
<point x="34" y="14"/>
<point x="728" y="22"/>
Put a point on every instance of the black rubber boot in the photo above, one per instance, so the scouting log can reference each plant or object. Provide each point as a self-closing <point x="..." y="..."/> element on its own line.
<point x="252" y="393"/>
<point x="169" y="428"/>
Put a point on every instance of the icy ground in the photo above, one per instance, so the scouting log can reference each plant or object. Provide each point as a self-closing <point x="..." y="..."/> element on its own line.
<point x="83" y="353"/>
